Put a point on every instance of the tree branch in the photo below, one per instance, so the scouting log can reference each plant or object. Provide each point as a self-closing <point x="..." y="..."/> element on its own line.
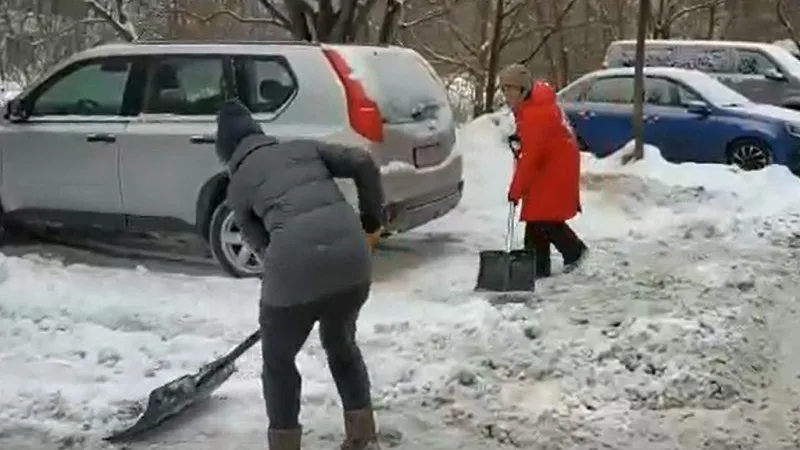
<point x="226" y="12"/>
<point x="430" y="15"/>
<point x="65" y="30"/>
<point x="462" y="39"/>
<point x="283" y="21"/>
<point x="513" y="10"/>
<point x="449" y="60"/>
<point x="787" y="25"/>
<point x="549" y="33"/>
<point x="690" y="9"/>
<point x="528" y="31"/>
<point x="124" y="30"/>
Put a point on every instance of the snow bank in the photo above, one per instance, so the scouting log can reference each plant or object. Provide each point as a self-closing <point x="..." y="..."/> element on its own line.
<point x="635" y="200"/>
<point x="656" y="193"/>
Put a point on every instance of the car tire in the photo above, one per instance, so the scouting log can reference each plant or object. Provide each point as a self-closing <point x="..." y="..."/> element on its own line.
<point x="749" y="154"/>
<point x="3" y="230"/>
<point x="227" y="246"/>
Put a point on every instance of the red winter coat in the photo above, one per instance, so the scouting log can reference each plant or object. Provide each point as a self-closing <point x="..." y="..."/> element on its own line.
<point x="547" y="175"/>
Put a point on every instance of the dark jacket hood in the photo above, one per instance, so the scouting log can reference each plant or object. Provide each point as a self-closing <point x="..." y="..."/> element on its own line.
<point x="234" y="124"/>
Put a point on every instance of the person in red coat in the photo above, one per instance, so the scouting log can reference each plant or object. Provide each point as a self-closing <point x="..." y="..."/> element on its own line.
<point x="547" y="172"/>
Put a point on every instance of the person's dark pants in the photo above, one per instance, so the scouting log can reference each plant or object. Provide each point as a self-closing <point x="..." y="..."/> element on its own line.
<point x="283" y="333"/>
<point x="539" y="236"/>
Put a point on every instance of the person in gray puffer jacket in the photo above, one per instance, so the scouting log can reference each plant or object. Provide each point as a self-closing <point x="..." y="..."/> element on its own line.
<point x="316" y="255"/>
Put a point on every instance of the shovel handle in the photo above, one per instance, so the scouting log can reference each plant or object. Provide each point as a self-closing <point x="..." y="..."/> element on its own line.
<point x="510" y="226"/>
<point x="244" y="346"/>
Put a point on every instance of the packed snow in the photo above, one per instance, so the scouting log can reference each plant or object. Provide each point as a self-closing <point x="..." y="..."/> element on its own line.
<point x="678" y="332"/>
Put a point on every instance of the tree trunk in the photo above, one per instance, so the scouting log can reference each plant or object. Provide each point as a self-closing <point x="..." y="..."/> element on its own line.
<point x="484" y="9"/>
<point x="388" y="28"/>
<point x="541" y="20"/>
<point x="638" y="85"/>
<point x="494" y="55"/>
<point x="712" y="22"/>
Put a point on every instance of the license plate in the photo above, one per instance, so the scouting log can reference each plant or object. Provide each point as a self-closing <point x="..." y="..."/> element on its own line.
<point x="428" y="155"/>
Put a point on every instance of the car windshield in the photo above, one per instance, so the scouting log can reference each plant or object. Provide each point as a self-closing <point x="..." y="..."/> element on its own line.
<point x="715" y="92"/>
<point x="786" y="59"/>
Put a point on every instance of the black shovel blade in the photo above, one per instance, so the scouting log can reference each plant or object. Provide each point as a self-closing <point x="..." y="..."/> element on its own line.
<point x="501" y="271"/>
<point x="172" y="398"/>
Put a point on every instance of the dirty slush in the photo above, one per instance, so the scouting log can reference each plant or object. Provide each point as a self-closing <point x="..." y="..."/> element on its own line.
<point x="683" y="344"/>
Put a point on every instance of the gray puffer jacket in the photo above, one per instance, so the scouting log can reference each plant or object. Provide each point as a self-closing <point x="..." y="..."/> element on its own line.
<point x="291" y="211"/>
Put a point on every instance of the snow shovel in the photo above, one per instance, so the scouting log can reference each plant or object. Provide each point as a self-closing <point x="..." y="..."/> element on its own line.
<point x="170" y="399"/>
<point x="507" y="270"/>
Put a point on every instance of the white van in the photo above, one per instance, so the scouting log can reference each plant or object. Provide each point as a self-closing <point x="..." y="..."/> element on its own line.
<point x="765" y="73"/>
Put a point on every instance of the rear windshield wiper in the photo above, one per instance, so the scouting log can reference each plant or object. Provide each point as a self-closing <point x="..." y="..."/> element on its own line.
<point x="423" y="110"/>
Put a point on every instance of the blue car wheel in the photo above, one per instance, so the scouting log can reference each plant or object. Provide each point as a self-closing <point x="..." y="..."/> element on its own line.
<point x="749" y="154"/>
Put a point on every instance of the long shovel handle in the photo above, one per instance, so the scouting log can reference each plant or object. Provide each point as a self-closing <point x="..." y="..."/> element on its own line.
<point x="233" y="355"/>
<point x="244" y="346"/>
<point x="510" y="226"/>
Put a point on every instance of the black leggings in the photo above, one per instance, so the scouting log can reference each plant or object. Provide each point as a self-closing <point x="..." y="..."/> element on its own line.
<point x="539" y="236"/>
<point x="284" y="330"/>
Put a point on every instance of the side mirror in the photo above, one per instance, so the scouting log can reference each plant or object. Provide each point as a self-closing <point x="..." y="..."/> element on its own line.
<point x="774" y="75"/>
<point x="698" y="107"/>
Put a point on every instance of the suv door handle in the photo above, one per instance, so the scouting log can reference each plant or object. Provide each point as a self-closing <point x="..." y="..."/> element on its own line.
<point x="203" y="139"/>
<point x="586" y="114"/>
<point x="101" y="137"/>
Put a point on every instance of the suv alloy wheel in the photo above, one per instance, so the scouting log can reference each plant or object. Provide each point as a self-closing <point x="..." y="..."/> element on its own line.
<point x="227" y="246"/>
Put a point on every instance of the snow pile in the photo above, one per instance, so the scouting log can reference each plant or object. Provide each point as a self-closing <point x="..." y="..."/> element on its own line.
<point x="634" y="200"/>
<point x="713" y="197"/>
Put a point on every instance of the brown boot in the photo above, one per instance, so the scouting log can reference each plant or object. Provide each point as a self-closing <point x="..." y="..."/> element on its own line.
<point x="284" y="439"/>
<point x="360" y="431"/>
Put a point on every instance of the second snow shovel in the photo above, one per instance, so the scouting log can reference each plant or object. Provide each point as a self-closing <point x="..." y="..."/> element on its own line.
<point x="170" y="399"/>
<point x="507" y="270"/>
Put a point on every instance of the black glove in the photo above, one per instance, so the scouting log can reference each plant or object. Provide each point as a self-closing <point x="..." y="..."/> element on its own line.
<point x="370" y="224"/>
<point x="515" y="144"/>
<point x="511" y="200"/>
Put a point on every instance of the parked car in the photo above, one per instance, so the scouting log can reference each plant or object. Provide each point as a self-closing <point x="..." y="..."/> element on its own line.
<point x="122" y="135"/>
<point x="762" y="72"/>
<point x="688" y="115"/>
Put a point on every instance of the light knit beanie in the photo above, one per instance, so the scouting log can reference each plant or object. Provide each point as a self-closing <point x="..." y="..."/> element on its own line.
<point x="516" y="75"/>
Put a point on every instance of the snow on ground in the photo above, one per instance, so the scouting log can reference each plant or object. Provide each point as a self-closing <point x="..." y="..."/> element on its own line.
<point x="8" y="91"/>
<point x="676" y="334"/>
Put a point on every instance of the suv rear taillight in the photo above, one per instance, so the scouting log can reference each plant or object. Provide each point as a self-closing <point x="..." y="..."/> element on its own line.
<point x="365" y="116"/>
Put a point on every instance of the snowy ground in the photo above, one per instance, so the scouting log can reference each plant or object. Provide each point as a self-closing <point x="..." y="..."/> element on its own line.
<point x="679" y="332"/>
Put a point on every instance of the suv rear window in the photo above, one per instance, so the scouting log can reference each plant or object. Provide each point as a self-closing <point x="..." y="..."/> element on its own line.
<point x="267" y="83"/>
<point x="405" y="89"/>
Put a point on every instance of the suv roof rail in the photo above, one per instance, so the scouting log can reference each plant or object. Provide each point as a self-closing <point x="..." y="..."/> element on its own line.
<point x="225" y="42"/>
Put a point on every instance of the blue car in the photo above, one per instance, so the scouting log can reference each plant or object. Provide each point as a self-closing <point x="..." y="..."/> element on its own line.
<point x="689" y="116"/>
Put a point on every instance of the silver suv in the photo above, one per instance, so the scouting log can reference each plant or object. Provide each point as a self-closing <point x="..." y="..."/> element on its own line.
<point x="122" y="135"/>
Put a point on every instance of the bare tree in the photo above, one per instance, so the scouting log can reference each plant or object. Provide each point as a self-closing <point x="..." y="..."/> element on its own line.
<point x="114" y="13"/>
<point x="668" y="12"/>
<point x="551" y="24"/>
<point x="780" y="12"/>
<point x="338" y="22"/>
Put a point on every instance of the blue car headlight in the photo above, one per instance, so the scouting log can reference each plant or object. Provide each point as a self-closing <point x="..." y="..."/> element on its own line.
<point x="793" y="129"/>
